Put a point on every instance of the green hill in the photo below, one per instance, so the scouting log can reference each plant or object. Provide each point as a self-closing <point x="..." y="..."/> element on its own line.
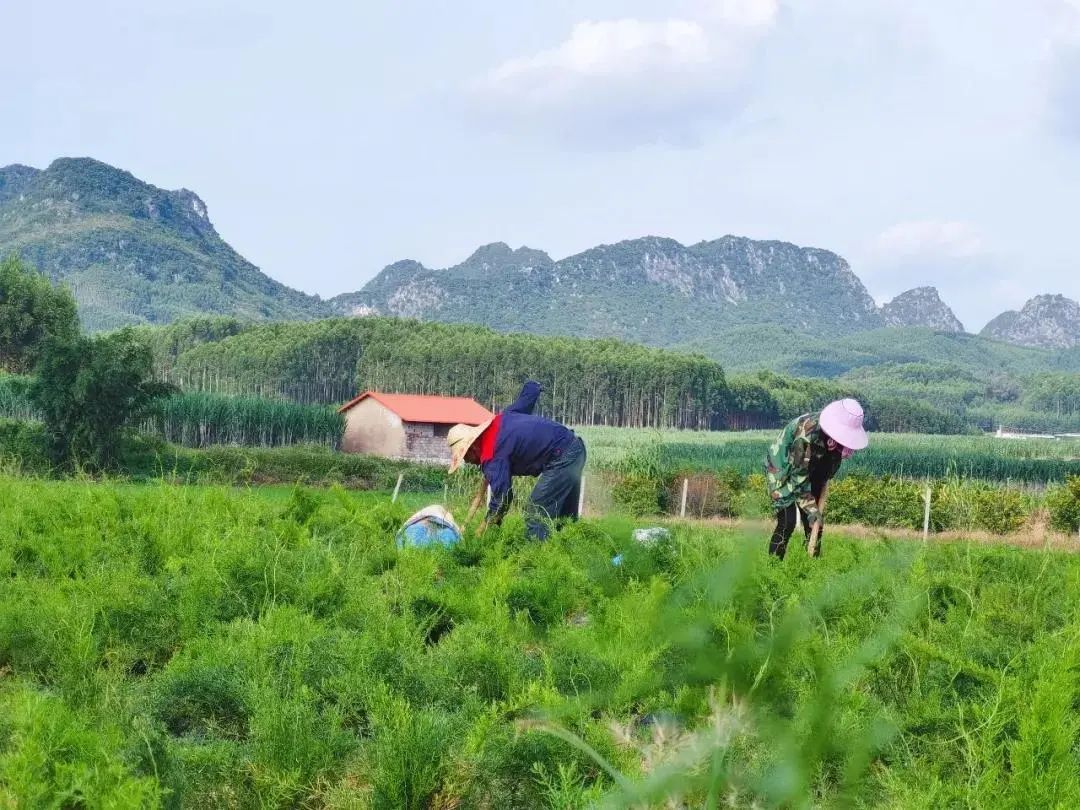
<point x="133" y="253"/>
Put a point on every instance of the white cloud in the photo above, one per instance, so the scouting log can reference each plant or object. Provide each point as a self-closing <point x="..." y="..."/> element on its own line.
<point x="632" y="80"/>
<point x="928" y="238"/>
<point x="953" y="256"/>
<point x="741" y="12"/>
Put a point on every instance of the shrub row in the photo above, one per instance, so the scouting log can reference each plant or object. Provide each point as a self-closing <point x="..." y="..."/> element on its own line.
<point x="860" y="498"/>
<point x="22" y="449"/>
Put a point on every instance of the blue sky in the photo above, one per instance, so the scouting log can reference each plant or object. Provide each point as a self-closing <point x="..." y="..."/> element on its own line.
<point x="927" y="141"/>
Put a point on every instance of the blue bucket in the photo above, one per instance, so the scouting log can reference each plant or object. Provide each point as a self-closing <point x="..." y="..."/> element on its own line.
<point x="428" y="531"/>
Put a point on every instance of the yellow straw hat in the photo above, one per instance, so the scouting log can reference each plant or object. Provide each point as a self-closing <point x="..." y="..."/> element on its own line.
<point x="461" y="438"/>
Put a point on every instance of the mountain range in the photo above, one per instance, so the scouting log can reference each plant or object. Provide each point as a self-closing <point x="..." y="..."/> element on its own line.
<point x="134" y="253"/>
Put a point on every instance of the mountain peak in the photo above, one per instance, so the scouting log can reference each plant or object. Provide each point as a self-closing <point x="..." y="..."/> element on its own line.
<point x="132" y="252"/>
<point x="1046" y="321"/>
<point x="14" y="179"/>
<point x="499" y="257"/>
<point x="921" y="306"/>
<point x="74" y="187"/>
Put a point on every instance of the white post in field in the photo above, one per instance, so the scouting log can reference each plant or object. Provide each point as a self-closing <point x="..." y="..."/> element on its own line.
<point x="581" y="498"/>
<point x="926" y="514"/>
<point x="682" y="504"/>
<point x="397" y="488"/>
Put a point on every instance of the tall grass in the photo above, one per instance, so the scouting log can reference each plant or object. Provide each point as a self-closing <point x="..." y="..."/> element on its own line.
<point x="196" y="647"/>
<point x="200" y="420"/>
<point x="14" y="398"/>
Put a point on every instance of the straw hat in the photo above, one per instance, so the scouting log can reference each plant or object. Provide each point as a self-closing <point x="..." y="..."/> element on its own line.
<point x="461" y="438"/>
<point x="842" y="422"/>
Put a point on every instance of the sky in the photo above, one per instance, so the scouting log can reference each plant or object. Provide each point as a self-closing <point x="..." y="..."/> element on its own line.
<point x="926" y="141"/>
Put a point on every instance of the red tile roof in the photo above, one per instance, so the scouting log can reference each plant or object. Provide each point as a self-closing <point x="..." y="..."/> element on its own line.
<point x="423" y="408"/>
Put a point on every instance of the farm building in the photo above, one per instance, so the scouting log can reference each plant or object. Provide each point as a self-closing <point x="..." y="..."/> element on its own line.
<point x="406" y="426"/>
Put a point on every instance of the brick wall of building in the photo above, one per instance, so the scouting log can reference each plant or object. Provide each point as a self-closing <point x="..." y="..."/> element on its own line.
<point x="426" y="442"/>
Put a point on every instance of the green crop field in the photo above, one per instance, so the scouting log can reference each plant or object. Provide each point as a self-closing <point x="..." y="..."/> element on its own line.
<point x="204" y="647"/>
<point x="1036" y="461"/>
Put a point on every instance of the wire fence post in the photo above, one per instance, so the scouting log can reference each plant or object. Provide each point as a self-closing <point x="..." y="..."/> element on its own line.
<point x="397" y="488"/>
<point x="581" y="497"/>
<point x="446" y="493"/>
<point x="682" y="503"/>
<point x="926" y="514"/>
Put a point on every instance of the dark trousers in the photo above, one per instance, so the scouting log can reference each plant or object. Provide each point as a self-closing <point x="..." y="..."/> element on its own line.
<point x="786" y="519"/>
<point x="785" y="526"/>
<point x="556" y="494"/>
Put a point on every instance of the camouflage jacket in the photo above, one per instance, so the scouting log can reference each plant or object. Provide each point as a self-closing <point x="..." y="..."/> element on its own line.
<point x="799" y="457"/>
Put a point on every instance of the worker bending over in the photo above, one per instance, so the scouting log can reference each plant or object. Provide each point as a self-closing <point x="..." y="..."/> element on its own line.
<point x="517" y="442"/>
<point x="800" y="463"/>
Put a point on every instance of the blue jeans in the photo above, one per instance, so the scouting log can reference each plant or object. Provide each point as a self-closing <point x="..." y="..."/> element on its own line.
<point x="556" y="494"/>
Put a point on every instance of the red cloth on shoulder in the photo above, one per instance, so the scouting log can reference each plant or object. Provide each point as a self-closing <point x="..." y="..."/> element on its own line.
<point x="488" y="438"/>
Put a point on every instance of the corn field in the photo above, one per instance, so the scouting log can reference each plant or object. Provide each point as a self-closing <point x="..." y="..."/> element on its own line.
<point x="200" y="420"/>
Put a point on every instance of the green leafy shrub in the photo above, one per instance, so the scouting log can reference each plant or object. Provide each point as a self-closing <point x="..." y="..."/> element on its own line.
<point x="975" y="505"/>
<point x="639" y="495"/>
<point x="1063" y="503"/>
<point x="755" y="501"/>
<point x="22" y="444"/>
<point x="954" y="504"/>
<point x="874" y="501"/>
<point x="32" y="311"/>
<point x="88" y="390"/>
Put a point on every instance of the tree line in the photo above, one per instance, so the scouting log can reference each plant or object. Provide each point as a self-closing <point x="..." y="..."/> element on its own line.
<point x="602" y="382"/>
<point x="587" y="382"/>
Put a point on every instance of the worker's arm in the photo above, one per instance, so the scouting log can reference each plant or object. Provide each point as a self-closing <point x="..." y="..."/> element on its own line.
<point x="527" y="399"/>
<point x="797" y="479"/>
<point x="497" y="473"/>
<point x="477" y="502"/>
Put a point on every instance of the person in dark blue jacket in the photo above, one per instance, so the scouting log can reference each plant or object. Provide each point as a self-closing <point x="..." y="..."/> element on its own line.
<point x="517" y="442"/>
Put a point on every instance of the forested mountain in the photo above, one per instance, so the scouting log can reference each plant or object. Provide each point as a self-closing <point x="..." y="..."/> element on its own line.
<point x="130" y="252"/>
<point x="1049" y="321"/>
<point x="652" y="290"/>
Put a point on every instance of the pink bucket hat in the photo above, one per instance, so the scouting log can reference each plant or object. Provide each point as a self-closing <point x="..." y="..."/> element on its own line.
<point x="842" y="421"/>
